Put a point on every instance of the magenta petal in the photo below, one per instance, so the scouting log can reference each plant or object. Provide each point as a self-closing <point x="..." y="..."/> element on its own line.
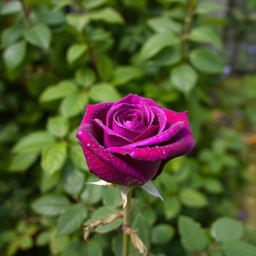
<point x="104" y="164"/>
<point x="178" y="148"/>
<point x="161" y="118"/>
<point x="159" y="138"/>
<point x="111" y="138"/>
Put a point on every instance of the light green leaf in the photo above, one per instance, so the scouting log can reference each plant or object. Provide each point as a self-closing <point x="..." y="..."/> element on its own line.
<point x="213" y="186"/>
<point x="156" y="43"/>
<point x="77" y="157"/>
<point x="101" y="213"/>
<point x="92" y="194"/>
<point x="85" y="77"/>
<point x="162" y="233"/>
<point x="73" y="104"/>
<point x="61" y="90"/>
<point x="108" y="15"/>
<point x="11" y="35"/>
<point x="109" y="227"/>
<point x="125" y="74"/>
<point x="78" y="20"/>
<point x="164" y="25"/>
<point x="238" y="248"/>
<point x="192" y="198"/>
<point x="205" y="35"/>
<point x="39" y="35"/>
<point x="50" y="205"/>
<point x="152" y="190"/>
<point x="71" y="219"/>
<point x="73" y="181"/>
<point x="58" y="126"/>
<point x="10" y="8"/>
<point x="35" y="141"/>
<point x="204" y="7"/>
<point x="22" y="161"/>
<point x="75" y="51"/>
<point x="14" y="55"/>
<point x="227" y="229"/>
<point x="172" y="207"/>
<point x="184" y="78"/>
<point x="112" y="197"/>
<point x="207" y="61"/>
<point x="53" y="157"/>
<point x="104" y="92"/>
<point x="193" y="237"/>
<point x="105" y="67"/>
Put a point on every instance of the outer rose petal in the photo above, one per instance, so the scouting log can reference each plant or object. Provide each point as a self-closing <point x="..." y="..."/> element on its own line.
<point x="106" y="165"/>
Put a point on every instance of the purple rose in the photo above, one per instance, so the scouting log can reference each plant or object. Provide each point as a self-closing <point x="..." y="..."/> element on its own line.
<point x="129" y="141"/>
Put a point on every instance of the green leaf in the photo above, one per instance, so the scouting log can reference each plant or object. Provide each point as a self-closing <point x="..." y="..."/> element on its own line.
<point x="205" y="35"/>
<point x="227" y="229"/>
<point x="58" y="126"/>
<point x="39" y="35"/>
<point x="14" y="55"/>
<point x="61" y="90"/>
<point x="162" y="233"/>
<point x="75" y="51"/>
<point x="77" y="157"/>
<point x="238" y="248"/>
<point x="101" y="213"/>
<point x="213" y="186"/>
<point x="85" y="77"/>
<point x="22" y="161"/>
<point x="109" y="227"/>
<point x="11" y="35"/>
<point x="105" y="67"/>
<point x="192" y="198"/>
<point x="35" y="141"/>
<point x="172" y="207"/>
<point x="50" y="205"/>
<point x="92" y="194"/>
<point x="73" y="104"/>
<point x="92" y="248"/>
<point x="112" y="197"/>
<point x="108" y="15"/>
<point x="164" y="25"/>
<point x="208" y="7"/>
<point x="156" y="43"/>
<point x="184" y="78"/>
<point x="104" y="92"/>
<point x="193" y="237"/>
<point x="73" y="181"/>
<point x="125" y="74"/>
<point x="10" y="8"/>
<point x="207" y="61"/>
<point x="53" y="157"/>
<point x="78" y="21"/>
<point x="71" y="219"/>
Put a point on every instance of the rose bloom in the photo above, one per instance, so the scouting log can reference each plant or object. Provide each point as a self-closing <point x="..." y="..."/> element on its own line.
<point x="128" y="142"/>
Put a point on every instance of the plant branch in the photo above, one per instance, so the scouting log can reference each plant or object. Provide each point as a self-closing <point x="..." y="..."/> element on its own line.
<point x="26" y="13"/>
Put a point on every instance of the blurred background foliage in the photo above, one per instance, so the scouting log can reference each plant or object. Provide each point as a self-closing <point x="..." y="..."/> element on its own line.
<point x="59" y="55"/>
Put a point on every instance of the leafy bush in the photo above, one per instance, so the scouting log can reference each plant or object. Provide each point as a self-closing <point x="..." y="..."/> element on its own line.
<point x="59" y="56"/>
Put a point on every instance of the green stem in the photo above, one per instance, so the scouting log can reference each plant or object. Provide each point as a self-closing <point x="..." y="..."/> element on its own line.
<point x="126" y="224"/>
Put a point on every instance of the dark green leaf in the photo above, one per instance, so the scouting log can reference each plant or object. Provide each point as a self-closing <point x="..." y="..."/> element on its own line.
<point x="162" y="233"/>
<point x="105" y="67"/>
<point x="71" y="219"/>
<point x="85" y="77"/>
<point x="207" y="61"/>
<point x="108" y="15"/>
<point x="112" y="197"/>
<point x="109" y="227"/>
<point x="238" y="248"/>
<point x="39" y="35"/>
<point x="77" y="157"/>
<point x="10" y="8"/>
<point x="208" y="7"/>
<point x="192" y="235"/>
<point x="50" y="205"/>
<point x="172" y="207"/>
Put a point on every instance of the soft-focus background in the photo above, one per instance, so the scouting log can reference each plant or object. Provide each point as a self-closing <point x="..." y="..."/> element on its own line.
<point x="59" y="55"/>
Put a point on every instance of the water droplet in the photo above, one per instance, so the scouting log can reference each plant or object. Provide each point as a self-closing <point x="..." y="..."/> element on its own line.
<point x="88" y="144"/>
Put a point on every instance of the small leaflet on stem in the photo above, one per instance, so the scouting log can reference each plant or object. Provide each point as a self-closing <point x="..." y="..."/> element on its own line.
<point x="152" y="190"/>
<point x="124" y="193"/>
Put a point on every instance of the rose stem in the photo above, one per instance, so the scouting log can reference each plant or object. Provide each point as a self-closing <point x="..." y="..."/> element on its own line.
<point x="126" y="224"/>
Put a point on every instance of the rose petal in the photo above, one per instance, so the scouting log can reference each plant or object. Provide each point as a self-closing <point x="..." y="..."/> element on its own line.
<point x="159" y="138"/>
<point x="106" y="165"/>
<point x="111" y="138"/>
<point x="161" y="118"/>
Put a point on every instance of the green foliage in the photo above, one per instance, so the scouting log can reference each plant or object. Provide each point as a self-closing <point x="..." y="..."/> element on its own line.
<point x="58" y="56"/>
